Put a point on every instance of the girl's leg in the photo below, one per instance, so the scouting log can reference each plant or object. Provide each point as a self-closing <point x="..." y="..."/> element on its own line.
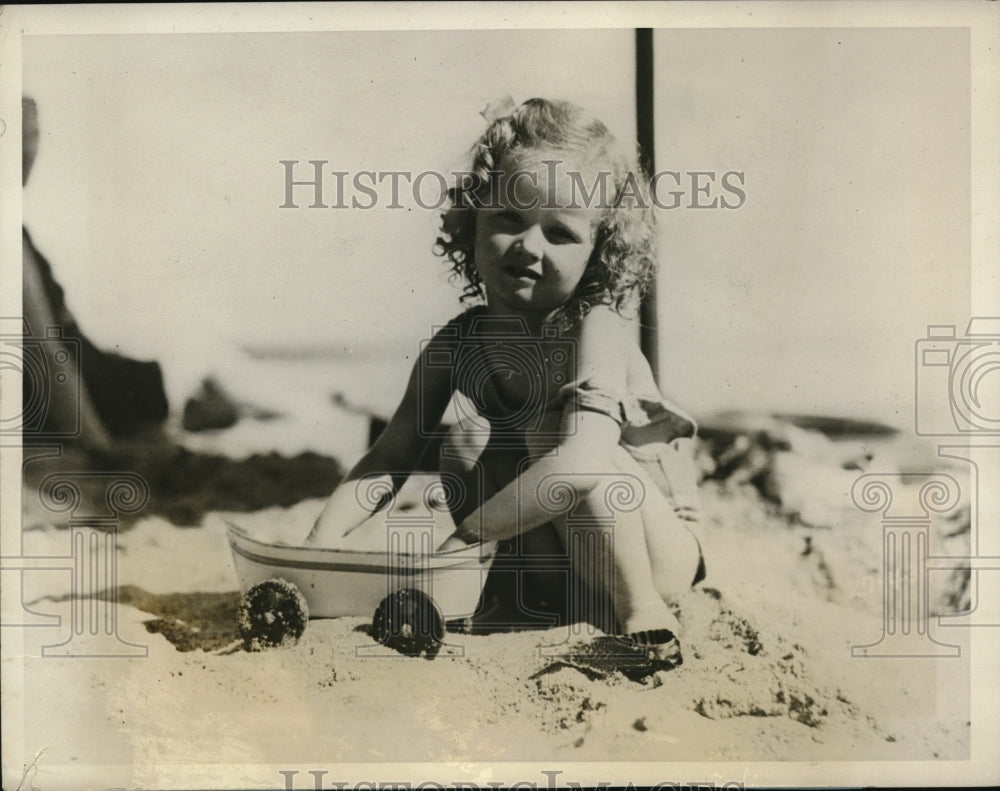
<point x="521" y="588"/>
<point x="609" y="552"/>
<point x="483" y="467"/>
<point x="610" y="557"/>
<point x="673" y="550"/>
<point x="633" y="559"/>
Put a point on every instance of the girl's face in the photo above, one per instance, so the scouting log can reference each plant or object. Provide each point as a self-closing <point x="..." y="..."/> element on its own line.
<point x="532" y="245"/>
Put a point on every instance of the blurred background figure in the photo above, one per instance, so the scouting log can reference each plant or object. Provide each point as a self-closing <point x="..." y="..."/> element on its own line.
<point x="71" y="389"/>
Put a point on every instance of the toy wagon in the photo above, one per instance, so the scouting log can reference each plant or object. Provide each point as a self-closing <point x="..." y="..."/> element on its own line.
<point x="408" y="590"/>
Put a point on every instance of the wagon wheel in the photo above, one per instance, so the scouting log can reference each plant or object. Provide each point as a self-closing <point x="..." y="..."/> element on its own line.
<point x="271" y="613"/>
<point x="410" y="622"/>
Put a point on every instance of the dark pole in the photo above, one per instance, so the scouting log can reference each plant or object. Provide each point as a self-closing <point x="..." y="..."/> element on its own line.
<point x="648" y="328"/>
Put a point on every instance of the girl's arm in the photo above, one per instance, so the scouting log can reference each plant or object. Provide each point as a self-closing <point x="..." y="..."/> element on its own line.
<point x="579" y="462"/>
<point x="395" y="453"/>
<point x="582" y="457"/>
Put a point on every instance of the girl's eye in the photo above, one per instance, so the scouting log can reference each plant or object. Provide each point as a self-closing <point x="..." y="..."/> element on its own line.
<point x="508" y="218"/>
<point x="562" y="236"/>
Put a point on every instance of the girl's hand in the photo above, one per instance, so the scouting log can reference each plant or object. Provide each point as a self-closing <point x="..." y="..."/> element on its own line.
<point x="468" y="531"/>
<point x="451" y="544"/>
<point x="465" y="535"/>
<point x="324" y="533"/>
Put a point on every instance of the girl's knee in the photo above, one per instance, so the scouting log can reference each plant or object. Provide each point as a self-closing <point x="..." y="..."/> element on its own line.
<point x="609" y="507"/>
<point x="676" y="558"/>
<point x="546" y="435"/>
<point x="616" y="496"/>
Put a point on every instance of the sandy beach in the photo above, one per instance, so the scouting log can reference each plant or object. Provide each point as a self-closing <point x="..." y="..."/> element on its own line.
<point x="768" y="672"/>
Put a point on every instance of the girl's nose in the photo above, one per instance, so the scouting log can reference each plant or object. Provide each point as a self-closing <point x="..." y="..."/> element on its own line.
<point x="531" y="242"/>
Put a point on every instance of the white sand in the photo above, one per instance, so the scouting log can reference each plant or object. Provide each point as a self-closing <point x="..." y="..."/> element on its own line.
<point x="768" y="673"/>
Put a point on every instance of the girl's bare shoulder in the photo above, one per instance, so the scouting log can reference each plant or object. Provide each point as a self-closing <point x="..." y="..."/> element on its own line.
<point x="607" y="344"/>
<point x="604" y="327"/>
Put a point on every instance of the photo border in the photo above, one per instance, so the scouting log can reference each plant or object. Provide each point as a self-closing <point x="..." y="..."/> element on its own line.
<point x="981" y="18"/>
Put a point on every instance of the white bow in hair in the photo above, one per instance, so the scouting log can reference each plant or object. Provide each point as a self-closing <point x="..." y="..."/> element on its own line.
<point x="500" y="108"/>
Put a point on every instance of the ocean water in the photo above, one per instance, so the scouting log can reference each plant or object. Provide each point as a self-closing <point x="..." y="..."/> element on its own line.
<point x="323" y="399"/>
<point x="314" y="399"/>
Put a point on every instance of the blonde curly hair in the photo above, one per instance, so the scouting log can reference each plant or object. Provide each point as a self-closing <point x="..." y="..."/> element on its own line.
<point x="623" y="263"/>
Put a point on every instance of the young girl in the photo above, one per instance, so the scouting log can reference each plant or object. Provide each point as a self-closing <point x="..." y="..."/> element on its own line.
<point x="565" y="441"/>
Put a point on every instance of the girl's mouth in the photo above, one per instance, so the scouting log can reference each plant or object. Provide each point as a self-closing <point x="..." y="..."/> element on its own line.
<point x="520" y="273"/>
